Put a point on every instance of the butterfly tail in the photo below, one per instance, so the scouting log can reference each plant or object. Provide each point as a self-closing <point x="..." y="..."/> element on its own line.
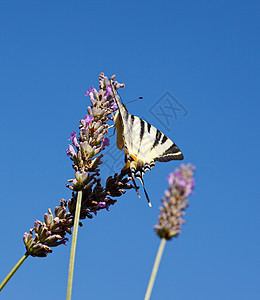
<point x="140" y="177"/>
<point x="147" y="197"/>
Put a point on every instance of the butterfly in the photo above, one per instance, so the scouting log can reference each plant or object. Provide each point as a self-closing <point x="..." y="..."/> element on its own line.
<point x="143" y="143"/>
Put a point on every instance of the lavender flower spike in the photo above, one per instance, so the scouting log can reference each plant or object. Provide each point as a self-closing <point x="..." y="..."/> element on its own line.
<point x="85" y="155"/>
<point x="87" y="158"/>
<point x="175" y="201"/>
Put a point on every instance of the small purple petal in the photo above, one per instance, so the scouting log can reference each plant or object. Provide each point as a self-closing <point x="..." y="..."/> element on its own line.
<point x="88" y="119"/>
<point x="109" y="93"/>
<point x="105" y="142"/>
<point x="114" y="106"/>
<point x="188" y="191"/>
<point x="170" y="178"/>
<point x="92" y="93"/>
<point x="182" y="183"/>
<point x="177" y="173"/>
<point x="102" y="204"/>
<point x="90" y="90"/>
<point x="71" y="151"/>
<point x="192" y="182"/>
<point x="64" y="241"/>
<point x="74" y="138"/>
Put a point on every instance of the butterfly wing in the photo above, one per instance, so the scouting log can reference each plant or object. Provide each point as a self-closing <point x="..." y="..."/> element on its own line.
<point x="144" y="144"/>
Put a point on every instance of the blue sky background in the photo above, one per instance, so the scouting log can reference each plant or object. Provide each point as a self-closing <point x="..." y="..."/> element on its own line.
<point x="205" y="54"/>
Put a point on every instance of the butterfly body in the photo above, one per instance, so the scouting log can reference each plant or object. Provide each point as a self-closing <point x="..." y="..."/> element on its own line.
<point x="144" y="144"/>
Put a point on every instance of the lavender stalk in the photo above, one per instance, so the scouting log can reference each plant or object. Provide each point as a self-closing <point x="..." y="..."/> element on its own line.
<point x="14" y="269"/>
<point x="181" y="186"/>
<point x="73" y="246"/>
<point x="155" y="269"/>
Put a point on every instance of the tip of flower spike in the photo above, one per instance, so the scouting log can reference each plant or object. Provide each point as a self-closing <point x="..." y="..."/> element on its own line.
<point x="150" y="204"/>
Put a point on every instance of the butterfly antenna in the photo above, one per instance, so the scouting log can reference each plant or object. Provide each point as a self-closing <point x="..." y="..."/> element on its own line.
<point x="139" y="98"/>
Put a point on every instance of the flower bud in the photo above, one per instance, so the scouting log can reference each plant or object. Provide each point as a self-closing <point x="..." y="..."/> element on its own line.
<point x="27" y="237"/>
<point x="48" y="218"/>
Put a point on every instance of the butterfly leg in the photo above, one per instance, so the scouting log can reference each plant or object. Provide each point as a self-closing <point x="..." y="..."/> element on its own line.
<point x="114" y="130"/>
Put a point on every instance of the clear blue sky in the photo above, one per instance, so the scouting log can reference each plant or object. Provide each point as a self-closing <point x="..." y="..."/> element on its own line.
<point x="205" y="54"/>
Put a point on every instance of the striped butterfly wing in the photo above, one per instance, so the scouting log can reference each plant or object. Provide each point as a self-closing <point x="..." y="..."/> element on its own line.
<point x="144" y="144"/>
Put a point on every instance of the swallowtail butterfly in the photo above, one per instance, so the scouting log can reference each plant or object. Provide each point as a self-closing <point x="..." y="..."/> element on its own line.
<point x="143" y="143"/>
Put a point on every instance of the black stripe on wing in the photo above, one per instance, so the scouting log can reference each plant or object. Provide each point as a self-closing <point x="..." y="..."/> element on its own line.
<point x="157" y="138"/>
<point x="172" y="153"/>
<point x="132" y="120"/>
<point x="164" y="139"/>
<point x="126" y="115"/>
<point x="149" y="127"/>
<point x="142" y="129"/>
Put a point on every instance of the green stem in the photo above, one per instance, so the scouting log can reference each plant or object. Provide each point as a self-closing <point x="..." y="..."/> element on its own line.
<point x="73" y="245"/>
<point x="155" y="269"/>
<point x="14" y="269"/>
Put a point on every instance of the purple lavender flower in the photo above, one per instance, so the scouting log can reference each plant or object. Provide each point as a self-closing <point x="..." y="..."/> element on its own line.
<point x="90" y="93"/>
<point x="50" y="233"/>
<point x="170" y="178"/>
<point x="114" y="106"/>
<point x="87" y="120"/>
<point x="93" y="94"/>
<point x="175" y="201"/>
<point x="71" y="151"/>
<point x="109" y="95"/>
<point x="74" y="138"/>
<point x="90" y="90"/>
<point x="109" y="92"/>
<point x="105" y="142"/>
